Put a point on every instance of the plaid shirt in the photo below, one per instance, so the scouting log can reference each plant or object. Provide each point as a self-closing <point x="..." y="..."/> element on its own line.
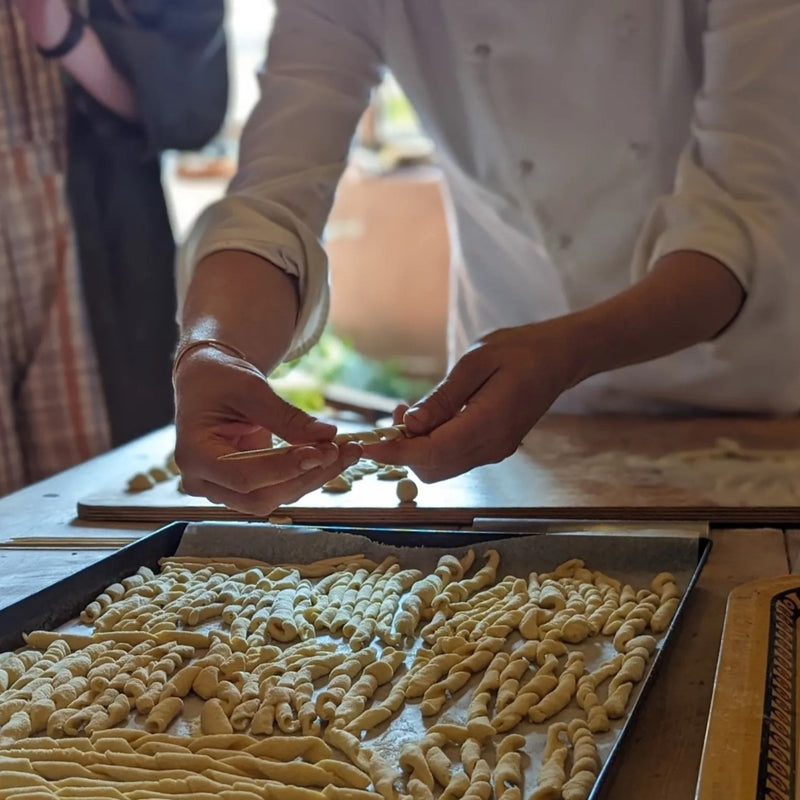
<point x="52" y="413"/>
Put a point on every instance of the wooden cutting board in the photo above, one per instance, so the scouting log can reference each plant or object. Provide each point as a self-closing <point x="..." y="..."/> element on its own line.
<point x="751" y="746"/>
<point x="572" y="467"/>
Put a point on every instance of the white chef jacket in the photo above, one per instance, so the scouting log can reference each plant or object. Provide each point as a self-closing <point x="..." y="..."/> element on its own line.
<point x="581" y="141"/>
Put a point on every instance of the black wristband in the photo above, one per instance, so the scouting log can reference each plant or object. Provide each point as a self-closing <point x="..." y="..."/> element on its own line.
<point x="71" y="38"/>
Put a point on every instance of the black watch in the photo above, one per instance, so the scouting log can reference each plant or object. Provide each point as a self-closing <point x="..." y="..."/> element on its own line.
<point x="70" y="40"/>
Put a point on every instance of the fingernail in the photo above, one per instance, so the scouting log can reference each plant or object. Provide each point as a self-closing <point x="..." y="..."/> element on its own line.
<point x="352" y="451"/>
<point x="418" y="414"/>
<point x="323" y="455"/>
<point x="323" y="430"/>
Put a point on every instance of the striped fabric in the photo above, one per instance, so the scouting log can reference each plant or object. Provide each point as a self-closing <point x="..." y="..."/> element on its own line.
<point x="52" y="413"/>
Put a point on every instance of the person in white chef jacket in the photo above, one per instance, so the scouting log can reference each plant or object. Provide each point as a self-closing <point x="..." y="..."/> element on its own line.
<point x="625" y="179"/>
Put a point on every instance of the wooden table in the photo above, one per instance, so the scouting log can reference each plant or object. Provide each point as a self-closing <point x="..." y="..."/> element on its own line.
<point x="661" y="761"/>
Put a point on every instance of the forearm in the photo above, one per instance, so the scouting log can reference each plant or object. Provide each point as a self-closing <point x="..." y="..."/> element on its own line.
<point x="88" y="63"/>
<point x="244" y="301"/>
<point x="686" y="299"/>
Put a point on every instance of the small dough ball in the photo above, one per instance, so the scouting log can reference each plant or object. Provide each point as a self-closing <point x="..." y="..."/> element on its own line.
<point x="159" y="474"/>
<point x="171" y="465"/>
<point x="140" y="482"/>
<point x="406" y="490"/>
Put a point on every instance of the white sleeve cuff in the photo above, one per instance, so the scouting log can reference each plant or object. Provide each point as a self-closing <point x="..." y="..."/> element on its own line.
<point x="254" y="226"/>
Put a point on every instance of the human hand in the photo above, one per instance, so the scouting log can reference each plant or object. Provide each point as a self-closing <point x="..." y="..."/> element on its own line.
<point x="224" y="404"/>
<point x="483" y="409"/>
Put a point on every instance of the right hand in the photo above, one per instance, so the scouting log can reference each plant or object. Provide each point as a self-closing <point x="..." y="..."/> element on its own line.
<point x="224" y="404"/>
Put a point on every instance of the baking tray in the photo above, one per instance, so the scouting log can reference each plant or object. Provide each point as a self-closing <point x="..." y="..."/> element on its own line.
<point x="62" y="602"/>
<point x="754" y="705"/>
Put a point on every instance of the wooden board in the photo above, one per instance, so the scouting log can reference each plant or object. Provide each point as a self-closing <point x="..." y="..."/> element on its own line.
<point x="752" y="745"/>
<point x="562" y="472"/>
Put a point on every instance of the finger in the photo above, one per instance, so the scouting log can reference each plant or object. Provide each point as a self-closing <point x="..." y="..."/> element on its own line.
<point x="263" y="501"/>
<point x="398" y="413"/>
<point x="266" y="408"/>
<point x="483" y="433"/>
<point x="479" y="434"/>
<point x="200" y="462"/>
<point x="448" y="398"/>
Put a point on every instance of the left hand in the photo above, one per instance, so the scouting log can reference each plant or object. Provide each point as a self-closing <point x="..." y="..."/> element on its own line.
<point x="492" y="397"/>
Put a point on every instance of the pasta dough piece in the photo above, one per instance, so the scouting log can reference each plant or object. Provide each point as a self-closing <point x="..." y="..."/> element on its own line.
<point x="140" y="482"/>
<point x="553" y="772"/>
<point x="163" y="713"/>
<point x="530" y="694"/>
<point x="507" y="777"/>
<point x="586" y="694"/>
<point x="380" y="712"/>
<point x="213" y="718"/>
<point x="480" y="787"/>
<point x="439" y="764"/>
<point x="478" y="723"/>
<point x="17" y="727"/>
<point x="430" y="672"/>
<point x="391" y="473"/>
<point x="663" y="615"/>
<point x="413" y="760"/>
<point x="457" y="787"/>
<point x="585" y="762"/>
<point x="340" y="483"/>
<point x="340" y="682"/>
<point x="559" y="698"/>
<point x="509" y="680"/>
<point x="621" y="686"/>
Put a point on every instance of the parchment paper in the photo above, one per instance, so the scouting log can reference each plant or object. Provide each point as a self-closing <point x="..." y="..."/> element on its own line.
<point x="629" y="558"/>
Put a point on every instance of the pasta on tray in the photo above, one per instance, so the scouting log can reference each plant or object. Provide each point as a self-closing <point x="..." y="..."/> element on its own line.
<point x="240" y="679"/>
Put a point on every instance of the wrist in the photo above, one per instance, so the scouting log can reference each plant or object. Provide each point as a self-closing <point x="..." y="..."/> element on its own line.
<point x="244" y="300"/>
<point x="587" y="344"/>
<point x="567" y="338"/>
<point x="185" y="351"/>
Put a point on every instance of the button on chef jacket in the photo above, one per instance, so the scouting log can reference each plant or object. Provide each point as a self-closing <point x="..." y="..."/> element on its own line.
<point x="581" y="141"/>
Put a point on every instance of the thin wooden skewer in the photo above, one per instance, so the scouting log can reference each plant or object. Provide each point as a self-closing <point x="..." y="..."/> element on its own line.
<point x="80" y="543"/>
<point x="374" y="436"/>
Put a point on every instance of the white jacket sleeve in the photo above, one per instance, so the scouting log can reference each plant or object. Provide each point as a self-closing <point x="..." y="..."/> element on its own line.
<point x="737" y="190"/>
<point x="323" y="61"/>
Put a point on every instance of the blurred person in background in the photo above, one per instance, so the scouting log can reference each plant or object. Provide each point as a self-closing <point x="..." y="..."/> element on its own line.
<point x="53" y="412"/>
<point x="173" y="55"/>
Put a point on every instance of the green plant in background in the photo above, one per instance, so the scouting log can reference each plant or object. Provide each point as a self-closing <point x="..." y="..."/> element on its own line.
<point x="333" y="360"/>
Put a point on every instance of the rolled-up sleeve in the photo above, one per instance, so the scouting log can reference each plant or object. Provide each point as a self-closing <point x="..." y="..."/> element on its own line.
<point x="322" y="63"/>
<point x="737" y="189"/>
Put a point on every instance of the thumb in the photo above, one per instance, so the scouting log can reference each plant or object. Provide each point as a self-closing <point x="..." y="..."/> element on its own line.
<point x="446" y="400"/>
<point x="272" y="412"/>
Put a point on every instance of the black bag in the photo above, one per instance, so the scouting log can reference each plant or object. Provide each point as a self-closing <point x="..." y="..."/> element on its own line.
<point x="173" y="53"/>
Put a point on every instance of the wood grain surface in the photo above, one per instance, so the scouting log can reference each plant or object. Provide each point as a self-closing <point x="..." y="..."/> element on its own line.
<point x="751" y="748"/>
<point x="559" y="473"/>
<point x="662" y="758"/>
